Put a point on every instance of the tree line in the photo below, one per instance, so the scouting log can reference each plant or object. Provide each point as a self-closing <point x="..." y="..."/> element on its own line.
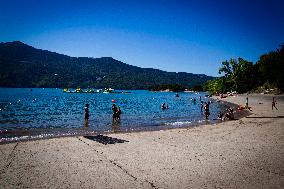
<point x="243" y="76"/>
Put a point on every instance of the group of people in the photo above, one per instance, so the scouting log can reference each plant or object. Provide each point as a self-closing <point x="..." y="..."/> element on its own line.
<point x="229" y="113"/>
<point x="164" y="106"/>
<point x="115" y="115"/>
<point x="204" y="105"/>
<point x="116" y="112"/>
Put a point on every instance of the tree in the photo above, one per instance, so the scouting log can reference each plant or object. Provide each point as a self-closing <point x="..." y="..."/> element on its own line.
<point x="242" y="76"/>
<point x="271" y="68"/>
<point x="238" y="75"/>
<point x="215" y="86"/>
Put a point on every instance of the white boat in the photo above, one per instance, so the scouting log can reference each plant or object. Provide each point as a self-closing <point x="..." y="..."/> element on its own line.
<point x="108" y="90"/>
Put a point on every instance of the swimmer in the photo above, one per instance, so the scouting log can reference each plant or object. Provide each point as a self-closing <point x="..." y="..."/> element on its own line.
<point x="163" y="106"/>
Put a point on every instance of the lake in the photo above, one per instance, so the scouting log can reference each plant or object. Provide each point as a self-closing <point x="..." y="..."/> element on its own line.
<point x="40" y="113"/>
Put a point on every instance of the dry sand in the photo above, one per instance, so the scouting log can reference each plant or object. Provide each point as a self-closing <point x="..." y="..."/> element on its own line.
<point x="246" y="153"/>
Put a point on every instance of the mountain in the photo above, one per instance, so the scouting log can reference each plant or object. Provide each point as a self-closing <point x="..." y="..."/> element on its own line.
<point x="24" y="66"/>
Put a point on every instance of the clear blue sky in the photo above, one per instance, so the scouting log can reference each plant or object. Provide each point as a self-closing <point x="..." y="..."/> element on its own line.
<point x="188" y="36"/>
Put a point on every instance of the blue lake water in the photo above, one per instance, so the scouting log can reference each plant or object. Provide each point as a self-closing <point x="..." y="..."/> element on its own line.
<point x="39" y="113"/>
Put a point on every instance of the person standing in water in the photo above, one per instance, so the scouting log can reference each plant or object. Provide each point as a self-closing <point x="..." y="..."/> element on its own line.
<point x="201" y="106"/>
<point x="274" y="103"/>
<point x="118" y="113"/>
<point x="87" y="115"/>
<point x="114" y="112"/>
<point x="206" y="110"/>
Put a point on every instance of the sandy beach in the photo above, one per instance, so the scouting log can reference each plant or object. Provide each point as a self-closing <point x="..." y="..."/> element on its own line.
<point x="244" y="153"/>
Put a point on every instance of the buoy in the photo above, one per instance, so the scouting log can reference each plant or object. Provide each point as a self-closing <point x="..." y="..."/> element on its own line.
<point x="113" y="100"/>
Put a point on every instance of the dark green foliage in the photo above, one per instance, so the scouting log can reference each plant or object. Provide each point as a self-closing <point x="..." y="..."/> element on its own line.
<point x="24" y="66"/>
<point x="215" y="86"/>
<point x="238" y="75"/>
<point x="271" y="68"/>
<point x="243" y="76"/>
<point x="171" y="87"/>
<point x="197" y="88"/>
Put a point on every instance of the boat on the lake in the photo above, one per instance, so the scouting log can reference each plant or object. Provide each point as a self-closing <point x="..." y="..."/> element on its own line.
<point x="78" y="90"/>
<point x="108" y="90"/>
<point x="90" y="90"/>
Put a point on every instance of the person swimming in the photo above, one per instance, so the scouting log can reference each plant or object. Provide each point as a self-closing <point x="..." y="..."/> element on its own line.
<point x="164" y="106"/>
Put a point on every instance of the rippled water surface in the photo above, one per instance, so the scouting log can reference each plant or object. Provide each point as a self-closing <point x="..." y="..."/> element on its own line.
<point x="47" y="112"/>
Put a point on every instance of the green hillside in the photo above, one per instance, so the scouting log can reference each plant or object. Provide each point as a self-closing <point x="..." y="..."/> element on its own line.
<point x="24" y="66"/>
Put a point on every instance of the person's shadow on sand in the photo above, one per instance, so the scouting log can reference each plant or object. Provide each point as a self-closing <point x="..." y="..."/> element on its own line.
<point x="265" y="117"/>
<point x="105" y="139"/>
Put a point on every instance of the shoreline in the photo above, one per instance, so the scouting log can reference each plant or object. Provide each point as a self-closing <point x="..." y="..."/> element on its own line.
<point x="77" y="132"/>
<point x="244" y="153"/>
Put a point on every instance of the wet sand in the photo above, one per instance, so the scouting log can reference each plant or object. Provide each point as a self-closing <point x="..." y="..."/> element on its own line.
<point x="245" y="153"/>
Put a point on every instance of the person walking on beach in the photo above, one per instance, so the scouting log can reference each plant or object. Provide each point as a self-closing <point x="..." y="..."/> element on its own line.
<point x="274" y="103"/>
<point x="87" y="115"/>
<point x="247" y="105"/>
